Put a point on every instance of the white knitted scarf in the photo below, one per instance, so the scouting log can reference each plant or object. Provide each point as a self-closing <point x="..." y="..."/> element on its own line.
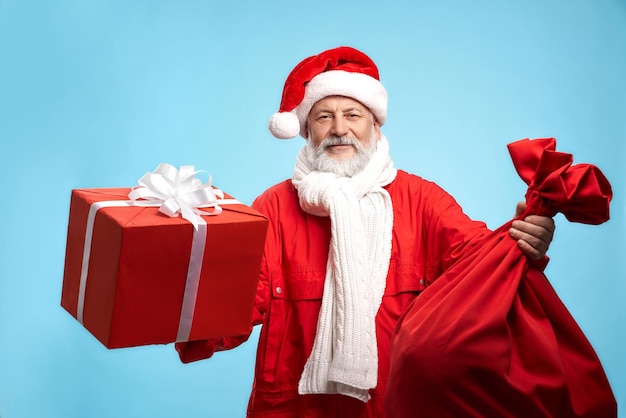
<point x="344" y="358"/>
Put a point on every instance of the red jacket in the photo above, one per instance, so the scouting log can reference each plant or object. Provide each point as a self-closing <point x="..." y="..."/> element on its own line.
<point x="430" y="231"/>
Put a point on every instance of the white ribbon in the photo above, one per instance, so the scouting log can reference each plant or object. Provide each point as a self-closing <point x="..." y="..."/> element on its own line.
<point x="174" y="192"/>
<point x="192" y="282"/>
<point x="177" y="191"/>
<point x="84" y="268"/>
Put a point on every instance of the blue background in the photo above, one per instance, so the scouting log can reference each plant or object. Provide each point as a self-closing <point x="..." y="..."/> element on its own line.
<point x="96" y="93"/>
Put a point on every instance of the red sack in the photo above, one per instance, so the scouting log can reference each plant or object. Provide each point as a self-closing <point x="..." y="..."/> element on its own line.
<point x="490" y="337"/>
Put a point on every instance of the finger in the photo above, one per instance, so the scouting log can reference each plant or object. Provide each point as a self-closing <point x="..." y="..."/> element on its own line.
<point x="534" y="241"/>
<point x="529" y="250"/>
<point x="542" y="221"/>
<point x="539" y="227"/>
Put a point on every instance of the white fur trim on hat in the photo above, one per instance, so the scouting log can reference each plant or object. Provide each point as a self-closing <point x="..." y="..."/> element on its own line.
<point x="358" y="86"/>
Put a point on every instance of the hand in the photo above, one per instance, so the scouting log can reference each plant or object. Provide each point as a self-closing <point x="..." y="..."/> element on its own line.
<point x="533" y="233"/>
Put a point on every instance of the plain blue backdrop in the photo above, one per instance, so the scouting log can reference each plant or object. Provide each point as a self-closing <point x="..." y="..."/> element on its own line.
<point x="94" y="93"/>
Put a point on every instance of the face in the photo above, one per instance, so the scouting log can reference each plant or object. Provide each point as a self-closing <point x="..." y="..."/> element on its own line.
<point x="339" y="116"/>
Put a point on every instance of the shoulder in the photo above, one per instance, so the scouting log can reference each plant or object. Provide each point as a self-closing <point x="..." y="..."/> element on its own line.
<point x="413" y="184"/>
<point x="414" y="193"/>
<point x="280" y="193"/>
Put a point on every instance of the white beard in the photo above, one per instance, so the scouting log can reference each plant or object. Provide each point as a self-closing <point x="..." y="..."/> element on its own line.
<point x="346" y="167"/>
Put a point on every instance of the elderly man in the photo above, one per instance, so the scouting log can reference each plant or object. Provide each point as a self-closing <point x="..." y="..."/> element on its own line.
<point x="351" y="242"/>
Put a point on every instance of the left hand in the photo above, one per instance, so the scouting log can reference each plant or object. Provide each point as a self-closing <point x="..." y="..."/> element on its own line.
<point x="533" y="234"/>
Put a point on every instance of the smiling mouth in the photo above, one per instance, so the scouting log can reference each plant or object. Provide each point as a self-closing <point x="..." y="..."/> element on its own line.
<point x="338" y="148"/>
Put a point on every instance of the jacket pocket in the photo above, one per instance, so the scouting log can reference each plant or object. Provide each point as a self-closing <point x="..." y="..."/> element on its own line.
<point x="405" y="277"/>
<point x="288" y="331"/>
<point x="301" y="285"/>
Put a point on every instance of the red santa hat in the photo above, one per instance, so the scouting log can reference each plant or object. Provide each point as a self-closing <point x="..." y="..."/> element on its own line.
<point x="342" y="71"/>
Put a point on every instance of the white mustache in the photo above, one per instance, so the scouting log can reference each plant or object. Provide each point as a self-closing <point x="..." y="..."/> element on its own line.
<point x="339" y="140"/>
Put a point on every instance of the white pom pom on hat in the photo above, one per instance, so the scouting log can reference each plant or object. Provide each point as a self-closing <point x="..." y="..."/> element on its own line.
<point x="284" y="125"/>
<point x="342" y="71"/>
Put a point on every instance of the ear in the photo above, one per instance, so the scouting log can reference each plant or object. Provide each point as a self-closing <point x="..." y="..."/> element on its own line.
<point x="377" y="129"/>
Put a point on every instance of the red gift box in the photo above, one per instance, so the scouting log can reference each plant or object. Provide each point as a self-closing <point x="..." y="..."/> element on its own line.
<point x="135" y="286"/>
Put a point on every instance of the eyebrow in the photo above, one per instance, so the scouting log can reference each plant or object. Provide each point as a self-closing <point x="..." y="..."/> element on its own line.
<point x="350" y="108"/>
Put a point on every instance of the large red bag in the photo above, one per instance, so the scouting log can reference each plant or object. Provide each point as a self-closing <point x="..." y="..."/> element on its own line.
<point x="490" y="337"/>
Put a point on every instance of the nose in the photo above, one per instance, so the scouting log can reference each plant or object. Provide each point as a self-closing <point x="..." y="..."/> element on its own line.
<point x="339" y="127"/>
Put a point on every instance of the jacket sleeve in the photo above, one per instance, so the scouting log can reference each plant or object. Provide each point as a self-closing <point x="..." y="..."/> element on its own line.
<point x="448" y="231"/>
<point x="198" y="350"/>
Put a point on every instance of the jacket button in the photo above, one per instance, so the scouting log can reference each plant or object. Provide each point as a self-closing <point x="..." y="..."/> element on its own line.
<point x="423" y="282"/>
<point x="279" y="290"/>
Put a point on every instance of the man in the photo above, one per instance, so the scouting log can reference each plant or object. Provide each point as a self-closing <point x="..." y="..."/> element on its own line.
<point x="351" y="242"/>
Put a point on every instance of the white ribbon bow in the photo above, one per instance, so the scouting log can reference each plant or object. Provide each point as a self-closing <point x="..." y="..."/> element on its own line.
<point x="178" y="191"/>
